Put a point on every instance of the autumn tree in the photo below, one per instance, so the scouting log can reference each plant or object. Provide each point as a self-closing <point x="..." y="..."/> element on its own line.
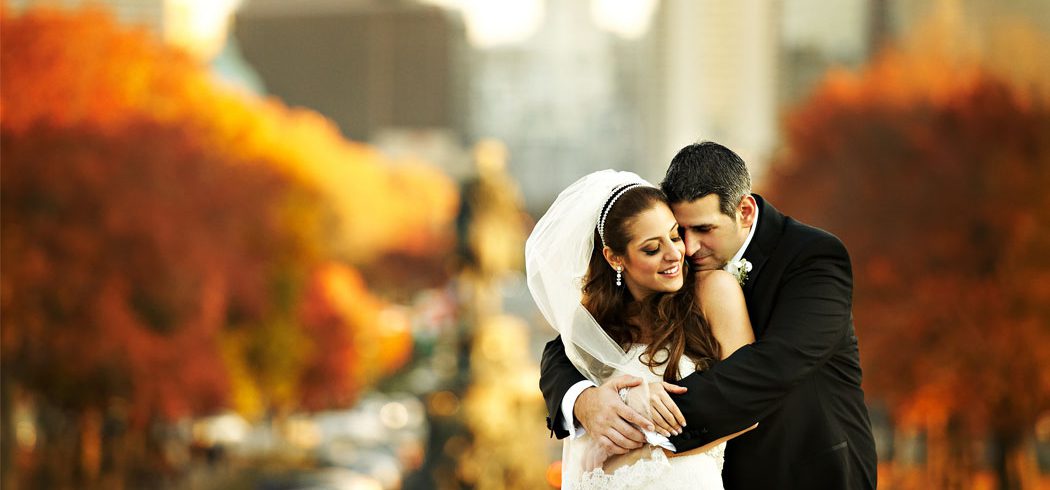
<point x="163" y="235"/>
<point x="64" y="69"/>
<point x="125" y="256"/>
<point x="357" y="331"/>
<point x="934" y="173"/>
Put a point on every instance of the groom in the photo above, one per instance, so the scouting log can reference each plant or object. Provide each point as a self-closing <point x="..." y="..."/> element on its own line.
<point x="801" y="378"/>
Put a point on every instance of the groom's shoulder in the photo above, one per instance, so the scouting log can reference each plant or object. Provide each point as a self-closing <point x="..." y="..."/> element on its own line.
<point x="798" y="237"/>
<point x="798" y="230"/>
<point x="807" y="239"/>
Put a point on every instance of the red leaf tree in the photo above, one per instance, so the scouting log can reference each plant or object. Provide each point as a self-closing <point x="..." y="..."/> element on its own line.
<point x="124" y="257"/>
<point x="934" y="174"/>
<point x="162" y="236"/>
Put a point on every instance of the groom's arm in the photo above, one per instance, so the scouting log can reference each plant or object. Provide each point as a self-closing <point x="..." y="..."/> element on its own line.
<point x="557" y="376"/>
<point x="612" y="424"/>
<point x="809" y="320"/>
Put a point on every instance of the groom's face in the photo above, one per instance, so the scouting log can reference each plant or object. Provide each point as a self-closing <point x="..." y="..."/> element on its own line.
<point x="711" y="237"/>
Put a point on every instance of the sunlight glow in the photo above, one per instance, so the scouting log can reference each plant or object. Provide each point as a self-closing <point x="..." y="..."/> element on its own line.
<point x="501" y="23"/>
<point x="198" y="26"/>
<point x="493" y="24"/>
<point x="626" y="18"/>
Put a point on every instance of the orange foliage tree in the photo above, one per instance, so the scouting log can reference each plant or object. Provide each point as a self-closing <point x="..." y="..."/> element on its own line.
<point x="336" y="297"/>
<point x="124" y="257"/>
<point x="934" y="173"/>
<point x="163" y="234"/>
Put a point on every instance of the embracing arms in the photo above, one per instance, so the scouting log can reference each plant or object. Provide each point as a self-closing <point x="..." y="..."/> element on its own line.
<point x="599" y="409"/>
<point x="809" y="318"/>
<point x="722" y="304"/>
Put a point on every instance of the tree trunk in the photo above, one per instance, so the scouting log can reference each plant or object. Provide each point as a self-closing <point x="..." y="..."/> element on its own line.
<point x="90" y="430"/>
<point x="961" y="466"/>
<point x="57" y="466"/>
<point x="7" y="431"/>
<point x="1008" y="446"/>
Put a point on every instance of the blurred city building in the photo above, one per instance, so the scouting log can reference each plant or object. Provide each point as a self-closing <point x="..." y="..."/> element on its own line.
<point x="566" y="101"/>
<point x="569" y="87"/>
<point x="388" y="73"/>
<point x="815" y="36"/>
<point x="715" y="65"/>
<point x="367" y="65"/>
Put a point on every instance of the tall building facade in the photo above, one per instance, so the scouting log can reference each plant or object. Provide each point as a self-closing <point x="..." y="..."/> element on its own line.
<point x="565" y="102"/>
<point x="367" y="65"/>
<point x="714" y="67"/>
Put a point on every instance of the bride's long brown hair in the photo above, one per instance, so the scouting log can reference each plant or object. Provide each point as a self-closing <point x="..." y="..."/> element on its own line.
<point x="671" y="324"/>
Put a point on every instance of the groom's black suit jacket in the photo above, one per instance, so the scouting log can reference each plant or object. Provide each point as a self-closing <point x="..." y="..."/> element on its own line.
<point x="800" y="380"/>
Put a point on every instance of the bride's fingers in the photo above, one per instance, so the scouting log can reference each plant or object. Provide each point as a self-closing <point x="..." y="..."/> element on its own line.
<point x="663" y="418"/>
<point x="673" y="388"/>
<point x="662" y="427"/>
<point x="676" y="415"/>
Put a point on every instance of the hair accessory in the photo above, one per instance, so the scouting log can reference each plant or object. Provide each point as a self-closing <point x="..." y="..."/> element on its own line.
<point x="608" y="205"/>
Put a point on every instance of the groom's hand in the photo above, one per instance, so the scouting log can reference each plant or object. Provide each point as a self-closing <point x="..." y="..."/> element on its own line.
<point x="608" y="419"/>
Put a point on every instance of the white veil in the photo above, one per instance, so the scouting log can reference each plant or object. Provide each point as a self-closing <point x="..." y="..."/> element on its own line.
<point x="557" y="254"/>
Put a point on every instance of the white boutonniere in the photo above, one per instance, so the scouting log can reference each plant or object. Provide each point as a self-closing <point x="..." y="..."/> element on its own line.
<point x="739" y="269"/>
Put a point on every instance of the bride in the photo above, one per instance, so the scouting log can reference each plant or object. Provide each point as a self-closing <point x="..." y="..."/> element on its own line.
<point x="605" y="266"/>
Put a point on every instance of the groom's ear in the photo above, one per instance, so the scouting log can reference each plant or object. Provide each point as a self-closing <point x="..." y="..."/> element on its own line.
<point x="748" y="210"/>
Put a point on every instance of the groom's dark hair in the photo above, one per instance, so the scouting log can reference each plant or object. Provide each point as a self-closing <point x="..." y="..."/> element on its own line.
<point x="707" y="168"/>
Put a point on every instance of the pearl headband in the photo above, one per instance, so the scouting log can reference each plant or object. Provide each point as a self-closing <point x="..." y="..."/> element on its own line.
<point x="619" y="191"/>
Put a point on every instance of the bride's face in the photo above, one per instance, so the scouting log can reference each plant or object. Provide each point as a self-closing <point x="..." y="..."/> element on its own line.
<point x="655" y="253"/>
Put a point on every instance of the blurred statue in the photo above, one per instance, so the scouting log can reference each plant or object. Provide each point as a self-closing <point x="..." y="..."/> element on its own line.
<point x="492" y="233"/>
<point x="501" y="396"/>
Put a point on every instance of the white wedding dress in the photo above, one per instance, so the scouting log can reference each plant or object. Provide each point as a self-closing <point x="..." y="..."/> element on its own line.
<point x="557" y="260"/>
<point x="701" y="471"/>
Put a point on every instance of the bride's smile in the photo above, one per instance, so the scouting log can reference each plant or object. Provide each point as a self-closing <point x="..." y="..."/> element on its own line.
<point x="672" y="271"/>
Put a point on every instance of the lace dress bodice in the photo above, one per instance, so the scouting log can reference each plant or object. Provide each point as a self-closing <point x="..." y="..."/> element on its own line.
<point x="701" y="471"/>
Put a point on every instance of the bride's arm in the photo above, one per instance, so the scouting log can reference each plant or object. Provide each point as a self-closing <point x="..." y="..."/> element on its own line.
<point x="722" y="303"/>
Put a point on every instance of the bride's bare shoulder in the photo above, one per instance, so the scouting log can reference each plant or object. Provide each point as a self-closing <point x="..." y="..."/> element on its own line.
<point x="715" y="283"/>
<point x="722" y="303"/>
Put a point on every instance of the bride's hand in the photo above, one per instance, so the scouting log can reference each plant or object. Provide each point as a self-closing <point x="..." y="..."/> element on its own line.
<point x="661" y="409"/>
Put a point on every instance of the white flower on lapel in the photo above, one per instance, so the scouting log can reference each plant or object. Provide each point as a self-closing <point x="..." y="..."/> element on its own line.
<point x="739" y="269"/>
